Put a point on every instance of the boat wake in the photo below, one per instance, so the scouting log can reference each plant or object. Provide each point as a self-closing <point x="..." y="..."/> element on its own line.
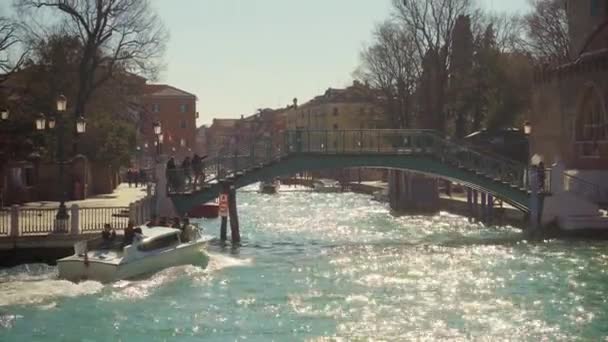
<point x="37" y="284"/>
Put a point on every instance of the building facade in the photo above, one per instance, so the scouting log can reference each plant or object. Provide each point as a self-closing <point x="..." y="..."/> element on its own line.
<point x="353" y="108"/>
<point x="175" y="109"/>
<point x="569" y="120"/>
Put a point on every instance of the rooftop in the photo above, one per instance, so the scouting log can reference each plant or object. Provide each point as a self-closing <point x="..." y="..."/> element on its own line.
<point x="165" y="90"/>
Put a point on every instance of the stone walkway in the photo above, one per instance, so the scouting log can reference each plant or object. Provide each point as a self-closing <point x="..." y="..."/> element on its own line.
<point x="121" y="197"/>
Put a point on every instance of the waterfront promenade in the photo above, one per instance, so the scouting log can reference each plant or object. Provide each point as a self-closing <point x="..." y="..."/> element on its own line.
<point x="32" y="225"/>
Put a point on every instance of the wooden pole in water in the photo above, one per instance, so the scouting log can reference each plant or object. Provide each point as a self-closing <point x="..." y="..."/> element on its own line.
<point x="223" y="214"/>
<point x="234" y="217"/>
<point x="475" y="205"/>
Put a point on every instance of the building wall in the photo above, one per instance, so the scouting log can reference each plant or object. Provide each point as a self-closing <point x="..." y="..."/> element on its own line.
<point x="559" y="102"/>
<point x="177" y="125"/>
<point x="584" y="17"/>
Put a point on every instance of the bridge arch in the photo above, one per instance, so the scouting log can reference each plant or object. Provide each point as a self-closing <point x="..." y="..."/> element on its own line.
<point x="310" y="162"/>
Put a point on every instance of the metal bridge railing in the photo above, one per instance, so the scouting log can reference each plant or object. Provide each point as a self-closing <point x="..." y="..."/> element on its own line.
<point x="262" y="150"/>
<point x="592" y="192"/>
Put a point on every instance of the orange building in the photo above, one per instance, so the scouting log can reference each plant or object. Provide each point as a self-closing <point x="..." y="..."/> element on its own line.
<point x="175" y="109"/>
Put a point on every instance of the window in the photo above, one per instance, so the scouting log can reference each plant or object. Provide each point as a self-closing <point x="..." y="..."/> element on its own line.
<point x="183" y="108"/>
<point x="182" y="142"/>
<point x="183" y="124"/>
<point x="595" y="7"/>
<point x="591" y="125"/>
<point x="335" y="126"/>
<point x="362" y="111"/>
<point x="335" y="111"/>
<point x="159" y="243"/>
<point x="155" y="108"/>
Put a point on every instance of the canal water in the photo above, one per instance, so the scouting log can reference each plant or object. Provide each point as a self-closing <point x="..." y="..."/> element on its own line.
<point x="324" y="267"/>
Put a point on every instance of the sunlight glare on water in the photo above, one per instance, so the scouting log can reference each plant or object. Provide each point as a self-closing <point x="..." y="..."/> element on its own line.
<point x="331" y="267"/>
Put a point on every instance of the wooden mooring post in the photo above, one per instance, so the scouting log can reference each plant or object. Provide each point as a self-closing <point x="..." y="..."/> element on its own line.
<point x="223" y="211"/>
<point x="235" y="232"/>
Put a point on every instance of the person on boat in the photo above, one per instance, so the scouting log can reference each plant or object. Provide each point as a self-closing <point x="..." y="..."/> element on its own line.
<point x="108" y="235"/>
<point x="129" y="234"/>
<point x="185" y="228"/>
<point x="176" y="223"/>
<point x="163" y="222"/>
<point x="153" y="222"/>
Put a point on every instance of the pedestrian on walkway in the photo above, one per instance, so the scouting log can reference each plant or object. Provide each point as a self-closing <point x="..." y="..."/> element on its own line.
<point x="136" y="177"/>
<point x="129" y="177"/>
<point x="143" y="179"/>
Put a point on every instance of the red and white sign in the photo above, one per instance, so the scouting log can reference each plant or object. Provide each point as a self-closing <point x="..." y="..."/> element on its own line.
<point x="224" y="205"/>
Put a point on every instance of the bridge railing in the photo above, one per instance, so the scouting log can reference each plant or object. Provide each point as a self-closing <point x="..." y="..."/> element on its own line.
<point x="261" y="150"/>
<point x="592" y="192"/>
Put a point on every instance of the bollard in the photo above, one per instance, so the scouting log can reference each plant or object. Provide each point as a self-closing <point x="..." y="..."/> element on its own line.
<point x="14" y="221"/>
<point x="132" y="213"/>
<point x="75" y="213"/>
<point x="140" y="212"/>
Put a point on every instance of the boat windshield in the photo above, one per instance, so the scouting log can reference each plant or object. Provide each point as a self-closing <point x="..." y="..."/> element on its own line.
<point x="159" y="243"/>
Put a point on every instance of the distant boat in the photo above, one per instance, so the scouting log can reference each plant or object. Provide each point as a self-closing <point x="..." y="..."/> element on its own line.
<point x="157" y="249"/>
<point x="269" y="188"/>
<point x="326" y="185"/>
<point x="207" y="210"/>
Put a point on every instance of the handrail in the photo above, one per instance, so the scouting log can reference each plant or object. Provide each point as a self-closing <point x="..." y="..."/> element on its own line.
<point x="263" y="149"/>
<point x="594" y="192"/>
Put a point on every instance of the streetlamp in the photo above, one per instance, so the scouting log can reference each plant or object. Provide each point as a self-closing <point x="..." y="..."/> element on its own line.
<point x="51" y="122"/>
<point x="158" y="132"/>
<point x="4" y="114"/>
<point x="40" y="122"/>
<point x="62" y="216"/>
<point x="527" y="128"/>
<point x="81" y="125"/>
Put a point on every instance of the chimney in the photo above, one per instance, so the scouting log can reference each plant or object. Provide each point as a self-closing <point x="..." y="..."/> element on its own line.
<point x="295" y="102"/>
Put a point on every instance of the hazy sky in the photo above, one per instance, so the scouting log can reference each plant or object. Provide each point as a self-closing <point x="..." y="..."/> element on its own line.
<point x="239" y="55"/>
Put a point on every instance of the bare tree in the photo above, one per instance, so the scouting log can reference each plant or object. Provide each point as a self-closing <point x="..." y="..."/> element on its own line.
<point x="546" y="31"/>
<point x="116" y="36"/>
<point x="391" y="65"/>
<point x="431" y="23"/>
<point x="9" y="41"/>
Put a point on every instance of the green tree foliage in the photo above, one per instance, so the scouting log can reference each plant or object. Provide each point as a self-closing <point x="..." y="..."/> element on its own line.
<point x="109" y="140"/>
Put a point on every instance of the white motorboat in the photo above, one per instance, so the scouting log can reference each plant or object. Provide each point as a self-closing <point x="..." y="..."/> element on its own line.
<point x="326" y="185"/>
<point x="155" y="249"/>
<point x="270" y="188"/>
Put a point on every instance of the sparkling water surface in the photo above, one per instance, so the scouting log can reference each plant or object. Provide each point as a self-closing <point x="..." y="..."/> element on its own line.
<point x="325" y="267"/>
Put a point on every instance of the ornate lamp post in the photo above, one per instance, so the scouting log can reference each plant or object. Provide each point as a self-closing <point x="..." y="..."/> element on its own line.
<point x="62" y="216"/>
<point x="41" y="122"/>
<point x="158" y="132"/>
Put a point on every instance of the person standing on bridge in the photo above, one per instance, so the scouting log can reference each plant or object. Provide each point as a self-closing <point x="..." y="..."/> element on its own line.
<point x="541" y="176"/>
<point x="170" y="174"/>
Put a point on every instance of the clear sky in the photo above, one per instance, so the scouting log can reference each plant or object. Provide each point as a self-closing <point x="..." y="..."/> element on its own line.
<point x="240" y="55"/>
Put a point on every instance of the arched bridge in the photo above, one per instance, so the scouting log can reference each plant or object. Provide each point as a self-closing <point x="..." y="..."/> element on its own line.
<point x="420" y="151"/>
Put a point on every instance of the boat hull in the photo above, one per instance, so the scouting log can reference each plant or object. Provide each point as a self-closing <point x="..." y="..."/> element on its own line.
<point x="207" y="210"/>
<point x="75" y="268"/>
